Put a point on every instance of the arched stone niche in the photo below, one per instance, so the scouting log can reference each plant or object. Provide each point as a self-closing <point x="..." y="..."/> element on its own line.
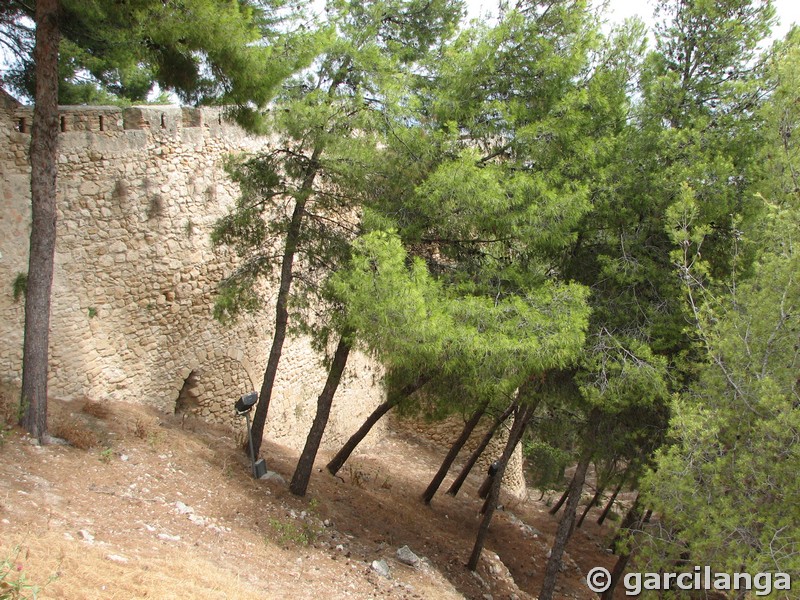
<point x="210" y="389"/>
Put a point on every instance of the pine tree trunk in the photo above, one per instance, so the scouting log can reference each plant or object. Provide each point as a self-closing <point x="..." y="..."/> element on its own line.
<point x="564" y="528"/>
<point x="561" y="500"/>
<point x="589" y="506"/>
<point x="337" y="462"/>
<point x="523" y="416"/>
<point x="632" y="519"/>
<point x="486" y="487"/>
<point x="44" y="173"/>
<point x="611" y="501"/>
<point x="282" y="302"/>
<point x="467" y="430"/>
<point x="476" y="454"/>
<point x="616" y="575"/>
<point x="302" y="473"/>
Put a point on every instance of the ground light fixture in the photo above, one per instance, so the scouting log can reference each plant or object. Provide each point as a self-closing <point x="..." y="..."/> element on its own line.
<point x="243" y="407"/>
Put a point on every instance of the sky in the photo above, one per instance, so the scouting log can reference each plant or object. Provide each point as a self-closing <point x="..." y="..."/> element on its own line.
<point x="788" y="11"/>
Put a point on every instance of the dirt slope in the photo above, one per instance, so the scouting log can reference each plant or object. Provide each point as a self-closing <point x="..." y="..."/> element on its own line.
<point x="165" y="508"/>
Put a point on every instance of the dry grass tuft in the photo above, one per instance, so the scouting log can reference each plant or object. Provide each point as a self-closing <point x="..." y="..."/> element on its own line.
<point x="99" y="410"/>
<point x="9" y="405"/>
<point x="76" y="433"/>
<point x="140" y="429"/>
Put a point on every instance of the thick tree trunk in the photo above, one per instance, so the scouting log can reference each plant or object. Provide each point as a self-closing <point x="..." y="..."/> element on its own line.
<point x="561" y="500"/>
<point x="44" y="172"/>
<point x="467" y="430"/>
<point x="302" y="473"/>
<point x="282" y="302"/>
<point x="523" y="416"/>
<point x="589" y="506"/>
<point x="564" y="528"/>
<point x="341" y="457"/>
<point x="476" y="454"/>
<point x="611" y="501"/>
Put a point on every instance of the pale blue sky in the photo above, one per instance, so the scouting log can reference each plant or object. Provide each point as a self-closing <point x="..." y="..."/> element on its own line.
<point x="788" y="11"/>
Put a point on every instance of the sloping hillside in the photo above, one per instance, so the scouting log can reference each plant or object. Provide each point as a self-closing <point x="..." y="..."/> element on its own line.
<point x="159" y="507"/>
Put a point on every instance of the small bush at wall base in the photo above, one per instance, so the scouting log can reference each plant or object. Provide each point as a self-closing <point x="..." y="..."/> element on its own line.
<point x="9" y="406"/>
<point x="76" y="434"/>
<point x="99" y="410"/>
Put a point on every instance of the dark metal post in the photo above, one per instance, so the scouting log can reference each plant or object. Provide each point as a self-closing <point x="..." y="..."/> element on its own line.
<point x="243" y="407"/>
<point x="252" y="448"/>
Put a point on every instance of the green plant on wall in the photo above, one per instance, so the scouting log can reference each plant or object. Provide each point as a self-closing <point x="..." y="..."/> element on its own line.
<point x="19" y="286"/>
<point x="156" y="207"/>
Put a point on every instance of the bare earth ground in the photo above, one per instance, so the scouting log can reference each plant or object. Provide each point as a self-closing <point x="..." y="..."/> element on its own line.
<point x="164" y="508"/>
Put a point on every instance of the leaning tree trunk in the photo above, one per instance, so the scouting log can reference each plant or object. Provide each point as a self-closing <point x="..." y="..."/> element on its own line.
<point x="521" y="420"/>
<point x="302" y="473"/>
<point x="476" y="454"/>
<point x="561" y="500"/>
<point x="44" y="172"/>
<point x="632" y="520"/>
<point x="341" y="457"/>
<point x="616" y="575"/>
<point x="613" y="499"/>
<point x="282" y="302"/>
<point x="337" y="462"/>
<point x="469" y="426"/>
<point x="564" y="527"/>
<point x="589" y="506"/>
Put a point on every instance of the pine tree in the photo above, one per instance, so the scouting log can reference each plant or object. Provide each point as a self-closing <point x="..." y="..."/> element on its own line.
<point x="328" y="124"/>
<point x="52" y="18"/>
<point x="735" y="457"/>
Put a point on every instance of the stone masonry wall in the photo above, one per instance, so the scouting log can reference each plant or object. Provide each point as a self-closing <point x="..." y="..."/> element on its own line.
<point x="135" y="274"/>
<point x="442" y="433"/>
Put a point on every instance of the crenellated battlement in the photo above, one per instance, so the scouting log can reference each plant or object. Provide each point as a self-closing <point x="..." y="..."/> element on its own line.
<point x="112" y="119"/>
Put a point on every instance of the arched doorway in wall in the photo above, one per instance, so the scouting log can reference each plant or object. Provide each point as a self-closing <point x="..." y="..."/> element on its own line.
<point x="210" y="390"/>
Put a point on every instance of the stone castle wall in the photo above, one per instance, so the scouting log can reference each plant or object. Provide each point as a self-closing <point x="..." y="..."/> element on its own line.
<point x="135" y="275"/>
